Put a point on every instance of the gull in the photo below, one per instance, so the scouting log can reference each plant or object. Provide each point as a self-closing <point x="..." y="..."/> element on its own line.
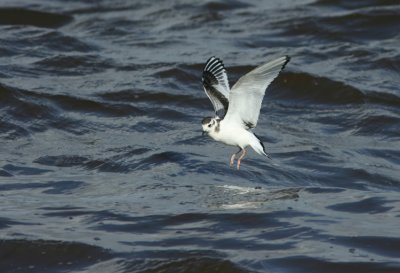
<point x="237" y="109"/>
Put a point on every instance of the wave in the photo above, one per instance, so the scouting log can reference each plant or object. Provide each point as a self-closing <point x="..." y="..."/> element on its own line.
<point x="148" y="97"/>
<point x="52" y="187"/>
<point x="171" y="106"/>
<point x="306" y="87"/>
<point x="224" y="5"/>
<point x="46" y="255"/>
<point x="21" y="16"/>
<point x="194" y="262"/>
<point x="366" y="24"/>
<point x="72" y="65"/>
<point x="27" y="111"/>
<point x="61" y="42"/>
<point x="354" y="4"/>
<point x="128" y="160"/>
<point x="371" y="205"/>
<point x="306" y="264"/>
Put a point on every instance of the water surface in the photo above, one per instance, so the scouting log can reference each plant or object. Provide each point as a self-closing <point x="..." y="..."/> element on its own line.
<point x="103" y="167"/>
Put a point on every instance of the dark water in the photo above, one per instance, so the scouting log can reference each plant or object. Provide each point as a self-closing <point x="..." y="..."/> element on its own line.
<point x="103" y="168"/>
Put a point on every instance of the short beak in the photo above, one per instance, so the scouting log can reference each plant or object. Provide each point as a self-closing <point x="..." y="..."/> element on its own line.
<point x="203" y="133"/>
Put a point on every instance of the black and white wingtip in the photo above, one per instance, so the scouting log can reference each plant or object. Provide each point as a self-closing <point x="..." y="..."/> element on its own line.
<point x="214" y="72"/>
<point x="214" y="65"/>
<point x="287" y="57"/>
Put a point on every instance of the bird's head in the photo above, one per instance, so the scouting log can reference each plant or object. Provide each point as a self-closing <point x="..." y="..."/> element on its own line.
<point x="209" y="124"/>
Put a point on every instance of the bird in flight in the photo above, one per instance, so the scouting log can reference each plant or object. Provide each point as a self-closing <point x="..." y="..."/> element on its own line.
<point x="237" y="109"/>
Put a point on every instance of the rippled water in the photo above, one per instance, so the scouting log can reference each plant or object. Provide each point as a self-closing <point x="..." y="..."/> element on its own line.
<point x="103" y="167"/>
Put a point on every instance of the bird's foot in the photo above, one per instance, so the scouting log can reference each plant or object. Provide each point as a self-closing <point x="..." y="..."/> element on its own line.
<point x="232" y="160"/>
<point x="240" y="158"/>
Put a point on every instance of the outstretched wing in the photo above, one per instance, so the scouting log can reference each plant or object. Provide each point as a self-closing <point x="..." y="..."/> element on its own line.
<point x="215" y="83"/>
<point x="248" y="92"/>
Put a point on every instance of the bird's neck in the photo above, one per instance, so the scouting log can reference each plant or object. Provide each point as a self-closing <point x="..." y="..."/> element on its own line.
<point x="214" y="133"/>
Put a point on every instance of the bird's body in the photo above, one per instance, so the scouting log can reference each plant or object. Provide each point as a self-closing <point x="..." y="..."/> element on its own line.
<point x="237" y="110"/>
<point x="230" y="134"/>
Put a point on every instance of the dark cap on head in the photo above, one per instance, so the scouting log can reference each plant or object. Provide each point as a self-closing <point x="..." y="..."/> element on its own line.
<point x="206" y="120"/>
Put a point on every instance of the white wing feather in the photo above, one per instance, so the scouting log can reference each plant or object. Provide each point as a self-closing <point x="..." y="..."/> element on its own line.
<point x="246" y="95"/>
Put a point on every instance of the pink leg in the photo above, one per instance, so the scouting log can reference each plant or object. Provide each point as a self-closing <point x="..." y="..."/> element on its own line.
<point x="233" y="157"/>
<point x="232" y="160"/>
<point x="240" y="158"/>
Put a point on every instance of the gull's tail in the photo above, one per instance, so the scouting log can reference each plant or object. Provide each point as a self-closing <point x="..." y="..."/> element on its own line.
<point x="258" y="146"/>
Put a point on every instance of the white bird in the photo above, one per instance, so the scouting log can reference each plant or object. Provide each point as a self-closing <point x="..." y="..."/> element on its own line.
<point x="237" y="110"/>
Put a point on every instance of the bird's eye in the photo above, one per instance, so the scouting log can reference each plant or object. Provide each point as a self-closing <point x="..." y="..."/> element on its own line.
<point x="209" y="125"/>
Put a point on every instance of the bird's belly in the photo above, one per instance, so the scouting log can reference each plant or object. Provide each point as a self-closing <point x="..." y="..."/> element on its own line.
<point x="233" y="137"/>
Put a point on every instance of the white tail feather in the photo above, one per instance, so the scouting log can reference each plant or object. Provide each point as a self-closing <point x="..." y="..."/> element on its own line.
<point x="257" y="146"/>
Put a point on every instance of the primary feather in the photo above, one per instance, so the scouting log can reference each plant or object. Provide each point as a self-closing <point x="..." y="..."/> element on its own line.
<point x="246" y="95"/>
<point x="216" y="86"/>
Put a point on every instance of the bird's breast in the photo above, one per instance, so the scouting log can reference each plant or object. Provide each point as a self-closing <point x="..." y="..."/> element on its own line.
<point x="231" y="135"/>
